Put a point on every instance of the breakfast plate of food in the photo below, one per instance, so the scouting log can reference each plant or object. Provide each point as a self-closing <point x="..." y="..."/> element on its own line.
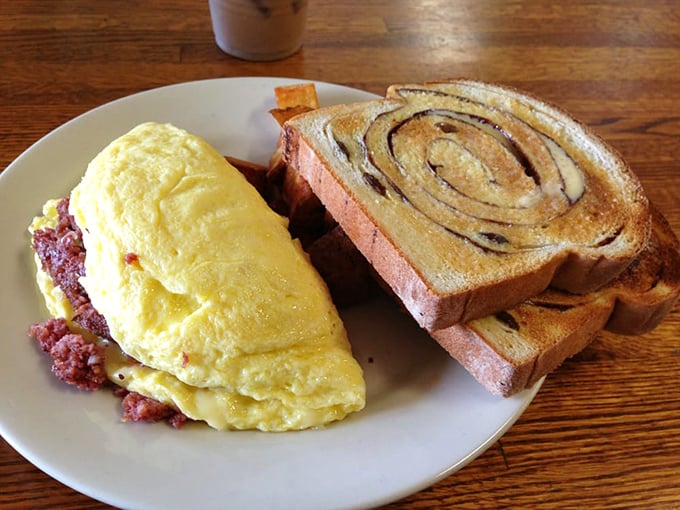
<point x="278" y="397"/>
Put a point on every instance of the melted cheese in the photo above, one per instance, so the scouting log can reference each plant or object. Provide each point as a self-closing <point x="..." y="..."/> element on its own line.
<point x="230" y="320"/>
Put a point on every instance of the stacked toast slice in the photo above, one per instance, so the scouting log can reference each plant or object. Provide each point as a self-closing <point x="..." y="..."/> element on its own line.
<point x="508" y="230"/>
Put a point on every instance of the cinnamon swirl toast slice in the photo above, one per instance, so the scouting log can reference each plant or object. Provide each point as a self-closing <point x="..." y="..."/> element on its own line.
<point x="511" y="350"/>
<point x="468" y="198"/>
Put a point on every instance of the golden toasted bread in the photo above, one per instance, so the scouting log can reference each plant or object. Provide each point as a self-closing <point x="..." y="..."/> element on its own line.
<point x="469" y="198"/>
<point x="511" y="350"/>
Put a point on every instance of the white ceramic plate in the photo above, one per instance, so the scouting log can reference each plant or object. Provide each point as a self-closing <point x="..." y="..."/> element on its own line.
<point x="425" y="417"/>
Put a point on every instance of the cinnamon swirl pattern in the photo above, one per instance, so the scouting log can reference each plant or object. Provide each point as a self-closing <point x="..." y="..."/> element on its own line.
<point x="506" y="174"/>
<point x="523" y="344"/>
<point x="468" y="198"/>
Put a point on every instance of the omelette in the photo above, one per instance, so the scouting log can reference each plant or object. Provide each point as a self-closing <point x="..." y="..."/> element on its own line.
<point x="211" y="307"/>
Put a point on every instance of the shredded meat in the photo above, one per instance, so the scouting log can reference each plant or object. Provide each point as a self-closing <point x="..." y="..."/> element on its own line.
<point x="81" y="363"/>
<point x="78" y="362"/>
<point x="75" y="361"/>
<point x="62" y="255"/>
<point x="49" y="332"/>
<point x="92" y="320"/>
<point x="137" y="407"/>
<point x="66" y="220"/>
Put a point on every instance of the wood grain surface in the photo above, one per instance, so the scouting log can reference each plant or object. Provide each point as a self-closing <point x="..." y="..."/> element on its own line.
<point x="604" y="431"/>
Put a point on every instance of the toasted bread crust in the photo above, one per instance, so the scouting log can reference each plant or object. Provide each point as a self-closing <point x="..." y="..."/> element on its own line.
<point x="308" y="149"/>
<point x="512" y="350"/>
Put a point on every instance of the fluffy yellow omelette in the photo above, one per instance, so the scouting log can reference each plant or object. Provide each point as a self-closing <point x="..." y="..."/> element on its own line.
<point x="224" y="311"/>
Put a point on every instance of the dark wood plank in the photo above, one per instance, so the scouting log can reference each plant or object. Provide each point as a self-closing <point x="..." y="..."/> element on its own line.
<point x="604" y="431"/>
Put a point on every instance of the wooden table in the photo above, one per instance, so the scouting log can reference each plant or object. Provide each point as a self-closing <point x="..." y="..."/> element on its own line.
<point x="604" y="431"/>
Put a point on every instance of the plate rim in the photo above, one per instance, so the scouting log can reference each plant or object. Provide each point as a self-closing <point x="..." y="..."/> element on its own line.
<point x="44" y="465"/>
